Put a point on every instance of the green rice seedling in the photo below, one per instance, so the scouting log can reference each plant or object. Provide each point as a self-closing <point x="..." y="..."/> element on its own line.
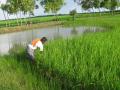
<point x="88" y="62"/>
<point x="17" y="73"/>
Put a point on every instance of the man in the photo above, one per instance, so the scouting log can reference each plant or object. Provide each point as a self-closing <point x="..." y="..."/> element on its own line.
<point x="37" y="43"/>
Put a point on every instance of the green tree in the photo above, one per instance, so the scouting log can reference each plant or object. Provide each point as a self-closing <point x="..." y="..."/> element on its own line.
<point x="4" y="9"/>
<point x="113" y="5"/>
<point x="110" y="4"/>
<point x="86" y="4"/>
<point x="97" y="4"/>
<point x="13" y="8"/>
<point x="52" y="5"/>
<point x="25" y="6"/>
<point x="73" y="13"/>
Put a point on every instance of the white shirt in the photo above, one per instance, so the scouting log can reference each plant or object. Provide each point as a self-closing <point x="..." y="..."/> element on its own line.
<point x="38" y="45"/>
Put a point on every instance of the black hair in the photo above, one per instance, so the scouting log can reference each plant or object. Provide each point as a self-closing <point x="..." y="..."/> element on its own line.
<point x="43" y="39"/>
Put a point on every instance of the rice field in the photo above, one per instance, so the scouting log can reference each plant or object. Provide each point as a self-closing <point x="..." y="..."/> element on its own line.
<point x="16" y="73"/>
<point x="87" y="62"/>
<point x="42" y="19"/>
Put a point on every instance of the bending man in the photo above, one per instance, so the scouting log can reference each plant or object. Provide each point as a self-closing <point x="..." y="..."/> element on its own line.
<point x="37" y="43"/>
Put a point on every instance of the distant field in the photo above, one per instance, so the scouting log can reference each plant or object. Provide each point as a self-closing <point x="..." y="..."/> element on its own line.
<point x="42" y="19"/>
<point x="35" y="20"/>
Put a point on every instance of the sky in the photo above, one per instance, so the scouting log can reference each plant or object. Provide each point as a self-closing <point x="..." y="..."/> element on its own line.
<point x="70" y="5"/>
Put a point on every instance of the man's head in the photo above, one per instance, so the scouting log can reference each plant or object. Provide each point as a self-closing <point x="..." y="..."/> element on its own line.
<point x="43" y="39"/>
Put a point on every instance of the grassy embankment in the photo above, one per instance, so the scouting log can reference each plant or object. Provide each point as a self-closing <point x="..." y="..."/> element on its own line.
<point x="30" y="23"/>
<point x="16" y="73"/>
<point x="88" y="62"/>
<point x="41" y="22"/>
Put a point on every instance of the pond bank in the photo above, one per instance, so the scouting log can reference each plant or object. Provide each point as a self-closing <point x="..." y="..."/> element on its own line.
<point x="29" y="27"/>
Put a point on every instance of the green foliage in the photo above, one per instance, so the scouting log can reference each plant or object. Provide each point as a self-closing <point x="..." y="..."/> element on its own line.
<point x="25" y="6"/>
<point x="87" y="4"/>
<point x="18" y="73"/>
<point x="87" y="62"/>
<point x="13" y="6"/>
<point x="52" y="5"/>
<point x="73" y="13"/>
<point x="108" y="4"/>
<point x="5" y="7"/>
<point x="91" y="61"/>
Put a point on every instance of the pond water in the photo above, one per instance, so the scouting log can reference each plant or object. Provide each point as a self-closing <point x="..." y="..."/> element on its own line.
<point x="7" y="41"/>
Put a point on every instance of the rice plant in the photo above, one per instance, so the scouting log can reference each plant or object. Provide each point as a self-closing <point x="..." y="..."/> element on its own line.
<point x="90" y="62"/>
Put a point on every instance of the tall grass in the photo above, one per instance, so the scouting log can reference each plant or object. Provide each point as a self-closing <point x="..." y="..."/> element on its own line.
<point x="90" y="62"/>
<point x="16" y="73"/>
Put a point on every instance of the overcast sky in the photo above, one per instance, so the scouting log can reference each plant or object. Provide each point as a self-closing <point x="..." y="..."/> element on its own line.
<point x="70" y="5"/>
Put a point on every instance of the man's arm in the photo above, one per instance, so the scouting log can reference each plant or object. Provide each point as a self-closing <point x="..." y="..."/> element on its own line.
<point x="30" y="46"/>
<point x="40" y="45"/>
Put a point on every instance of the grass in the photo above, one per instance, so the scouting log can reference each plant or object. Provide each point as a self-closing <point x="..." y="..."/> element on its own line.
<point x="88" y="62"/>
<point x="34" y="20"/>
<point x="103" y="21"/>
<point x="18" y="74"/>
<point x="45" y="21"/>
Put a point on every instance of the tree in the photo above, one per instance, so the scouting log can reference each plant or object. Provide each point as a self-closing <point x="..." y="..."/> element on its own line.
<point x="96" y="5"/>
<point x="3" y="9"/>
<point x="74" y="30"/>
<point x="86" y="4"/>
<point x="110" y="4"/>
<point x="13" y="8"/>
<point x="52" y="5"/>
<point x="25" y="6"/>
<point x="73" y="13"/>
<point x="113" y="5"/>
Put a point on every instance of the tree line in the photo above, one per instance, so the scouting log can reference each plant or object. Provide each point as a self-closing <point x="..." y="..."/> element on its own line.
<point x="111" y="5"/>
<point x="23" y="7"/>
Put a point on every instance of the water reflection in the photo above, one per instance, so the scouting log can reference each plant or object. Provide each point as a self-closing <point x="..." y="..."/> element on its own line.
<point x="93" y="29"/>
<point x="74" y="31"/>
<point x="8" y="40"/>
<point x="16" y="49"/>
<point x="57" y="34"/>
